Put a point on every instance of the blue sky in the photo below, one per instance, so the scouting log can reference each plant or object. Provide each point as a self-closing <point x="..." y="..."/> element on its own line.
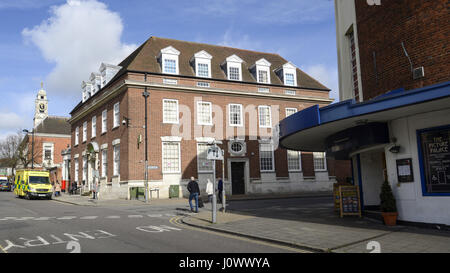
<point x="60" y="42"/>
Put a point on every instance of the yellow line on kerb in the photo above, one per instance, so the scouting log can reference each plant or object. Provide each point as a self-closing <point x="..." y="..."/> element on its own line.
<point x="4" y="251"/>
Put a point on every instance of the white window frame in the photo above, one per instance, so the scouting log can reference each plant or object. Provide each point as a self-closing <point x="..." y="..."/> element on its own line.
<point x="84" y="167"/>
<point x="77" y="135"/>
<point x="170" y="59"/>
<point x="270" y="116"/>
<point x="199" y="120"/>
<point x="104" y="162"/>
<point x="289" y="68"/>
<point x="164" y="171"/>
<point x="204" y="58"/>
<point x="272" y="157"/>
<point x="94" y="127"/>
<point x="290" y="109"/>
<point x="52" y="149"/>
<point x="84" y="131"/>
<point x="263" y="69"/>
<point x="238" y="67"/>
<point x="77" y="169"/>
<point x="203" y="84"/>
<point x="292" y="167"/>
<point x="324" y="158"/>
<point x="116" y="116"/>
<point x="241" y="118"/>
<point x="290" y="92"/>
<point x="104" y="121"/>
<point x="199" y="160"/>
<point x="165" y="120"/>
<point x="116" y="162"/>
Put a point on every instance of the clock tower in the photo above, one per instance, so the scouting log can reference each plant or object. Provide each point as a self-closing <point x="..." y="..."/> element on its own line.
<point x="41" y="106"/>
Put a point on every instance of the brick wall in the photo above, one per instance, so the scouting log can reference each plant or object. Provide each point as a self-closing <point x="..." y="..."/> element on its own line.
<point x="422" y="25"/>
<point x="132" y="106"/>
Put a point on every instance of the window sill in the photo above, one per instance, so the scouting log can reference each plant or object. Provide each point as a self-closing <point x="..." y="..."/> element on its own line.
<point x="115" y="127"/>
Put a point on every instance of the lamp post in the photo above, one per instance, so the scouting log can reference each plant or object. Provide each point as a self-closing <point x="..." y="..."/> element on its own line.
<point x="146" y="94"/>
<point x="32" y="146"/>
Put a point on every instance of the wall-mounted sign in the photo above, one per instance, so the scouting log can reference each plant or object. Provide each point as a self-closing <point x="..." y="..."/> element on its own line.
<point x="435" y="157"/>
<point x="404" y="170"/>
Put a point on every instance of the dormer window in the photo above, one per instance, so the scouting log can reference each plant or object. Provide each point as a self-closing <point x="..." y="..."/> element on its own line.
<point x="96" y="82"/>
<point x="87" y="90"/>
<point x="202" y="64"/>
<point x="169" y="60"/>
<point x="288" y="74"/>
<point x="261" y="71"/>
<point x="107" y="72"/>
<point x="234" y="68"/>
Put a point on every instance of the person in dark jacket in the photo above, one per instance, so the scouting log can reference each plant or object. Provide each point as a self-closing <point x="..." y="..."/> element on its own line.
<point x="220" y="189"/>
<point x="194" y="192"/>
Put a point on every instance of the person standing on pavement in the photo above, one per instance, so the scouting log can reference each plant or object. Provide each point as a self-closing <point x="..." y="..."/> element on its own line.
<point x="209" y="190"/>
<point x="57" y="189"/>
<point x="194" y="191"/>
<point x="220" y="189"/>
<point x="94" y="190"/>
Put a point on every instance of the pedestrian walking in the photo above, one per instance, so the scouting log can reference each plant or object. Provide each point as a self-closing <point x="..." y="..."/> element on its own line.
<point x="209" y="190"/>
<point x="220" y="189"/>
<point x="94" y="190"/>
<point x="74" y="188"/>
<point x="57" y="189"/>
<point x="194" y="192"/>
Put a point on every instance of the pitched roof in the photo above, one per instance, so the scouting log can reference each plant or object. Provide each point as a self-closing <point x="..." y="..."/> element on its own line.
<point x="54" y="125"/>
<point x="145" y="58"/>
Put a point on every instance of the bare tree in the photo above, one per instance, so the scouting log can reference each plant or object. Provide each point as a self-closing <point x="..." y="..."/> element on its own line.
<point x="15" y="150"/>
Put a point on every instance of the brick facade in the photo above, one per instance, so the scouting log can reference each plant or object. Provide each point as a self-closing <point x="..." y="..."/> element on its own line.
<point x="127" y="90"/>
<point x="422" y="25"/>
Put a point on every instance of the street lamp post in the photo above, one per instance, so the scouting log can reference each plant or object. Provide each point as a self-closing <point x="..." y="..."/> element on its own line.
<point x="146" y="94"/>
<point x="32" y="146"/>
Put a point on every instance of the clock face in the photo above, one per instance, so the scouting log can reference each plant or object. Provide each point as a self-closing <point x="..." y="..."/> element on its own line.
<point x="41" y="107"/>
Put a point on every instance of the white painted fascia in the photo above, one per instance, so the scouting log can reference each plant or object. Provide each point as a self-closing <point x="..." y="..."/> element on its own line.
<point x="171" y="139"/>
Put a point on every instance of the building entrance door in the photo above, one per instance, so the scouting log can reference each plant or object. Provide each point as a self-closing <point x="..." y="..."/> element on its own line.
<point x="238" y="177"/>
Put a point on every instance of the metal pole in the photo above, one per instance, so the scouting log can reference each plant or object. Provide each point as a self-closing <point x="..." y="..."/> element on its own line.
<point x="214" y="200"/>
<point x="32" y="149"/>
<point x="146" y="94"/>
<point x="223" y="184"/>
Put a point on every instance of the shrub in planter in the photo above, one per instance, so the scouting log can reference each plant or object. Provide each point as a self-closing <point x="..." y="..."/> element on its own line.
<point x="388" y="205"/>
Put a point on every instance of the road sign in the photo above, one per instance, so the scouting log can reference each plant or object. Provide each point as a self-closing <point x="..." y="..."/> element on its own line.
<point x="214" y="153"/>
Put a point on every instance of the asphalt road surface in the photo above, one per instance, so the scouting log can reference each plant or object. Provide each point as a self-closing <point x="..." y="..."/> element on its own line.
<point x="48" y="226"/>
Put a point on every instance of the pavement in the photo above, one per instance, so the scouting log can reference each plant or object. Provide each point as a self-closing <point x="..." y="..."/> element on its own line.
<point x="312" y="226"/>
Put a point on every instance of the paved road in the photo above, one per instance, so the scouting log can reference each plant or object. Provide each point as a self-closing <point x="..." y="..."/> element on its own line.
<point x="47" y="226"/>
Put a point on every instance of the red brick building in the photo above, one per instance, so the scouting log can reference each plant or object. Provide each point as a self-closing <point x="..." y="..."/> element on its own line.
<point x="199" y="93"/>
<point x="50" y="135"/>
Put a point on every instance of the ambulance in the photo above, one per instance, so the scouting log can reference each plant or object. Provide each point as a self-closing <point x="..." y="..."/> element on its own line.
<point x="33" y="184"/>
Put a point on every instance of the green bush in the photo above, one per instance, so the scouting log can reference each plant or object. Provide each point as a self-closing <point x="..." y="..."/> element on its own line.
<point x="387" y="198"/>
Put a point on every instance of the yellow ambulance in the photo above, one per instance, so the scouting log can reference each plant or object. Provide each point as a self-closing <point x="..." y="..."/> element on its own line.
<point x="33" y="184"/>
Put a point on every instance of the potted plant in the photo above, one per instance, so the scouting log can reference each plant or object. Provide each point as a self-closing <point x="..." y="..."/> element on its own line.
<point x="388" y="206"/>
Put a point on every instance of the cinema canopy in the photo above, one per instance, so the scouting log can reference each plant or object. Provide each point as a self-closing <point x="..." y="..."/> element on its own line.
<point x="402" y="136"/>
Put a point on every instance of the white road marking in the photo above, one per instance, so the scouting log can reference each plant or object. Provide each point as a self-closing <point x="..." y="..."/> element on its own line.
<point x="112" y="217"/>
<point x="67" y="218"/>
<point x="88" y="217"/>
<point x="135" y="216"/>
<point x="154" y="215"/>
<point x="43" y="218"/>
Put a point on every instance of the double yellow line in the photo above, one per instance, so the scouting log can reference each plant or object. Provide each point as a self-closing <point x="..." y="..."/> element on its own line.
<point x="4" y="251"/>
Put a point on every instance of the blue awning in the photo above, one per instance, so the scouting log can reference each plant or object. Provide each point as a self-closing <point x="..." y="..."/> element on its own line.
<point x="307" y="130"/>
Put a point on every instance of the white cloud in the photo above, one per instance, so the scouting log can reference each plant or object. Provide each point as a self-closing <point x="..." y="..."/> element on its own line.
<point x="11" y="122"/>
<point x="327" y="76"/>
<point x="78" y="37"/>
